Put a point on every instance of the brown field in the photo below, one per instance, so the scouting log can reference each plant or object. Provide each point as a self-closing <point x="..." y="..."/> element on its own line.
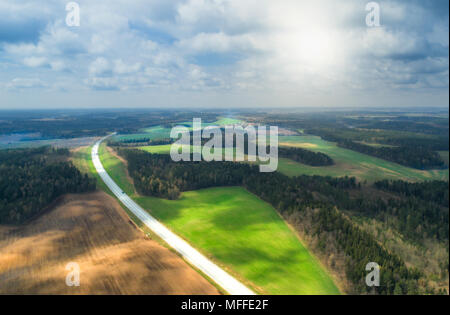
<point x="114" y="256"/>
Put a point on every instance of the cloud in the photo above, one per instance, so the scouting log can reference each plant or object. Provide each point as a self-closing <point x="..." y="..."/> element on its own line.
<point x="103" y="84"/>
<point x="121" y="67"/>
<point x="34" y="61"/>
<point x="100" y="67"/>
<point x="25" y="83"/>
<point x="253" y="47"/>
<point x="22" y="21"/>
<point x="216" y="42"/>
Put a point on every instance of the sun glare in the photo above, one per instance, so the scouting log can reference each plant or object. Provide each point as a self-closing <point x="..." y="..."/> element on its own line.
<point x="316" y="48"/>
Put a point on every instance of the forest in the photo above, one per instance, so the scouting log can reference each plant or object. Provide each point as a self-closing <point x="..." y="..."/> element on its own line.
<point x="139" y="142"/>
<point x="305" y="156"/>
<point x="415" y="157"/>
<point x="406" y="140"/>
<point x="317" y="202"/>
<point x="425" y="125"/>
<point x="31" y="179"/>
<point x="416" y="218"/>
<point x="434" y="191"/>
<point x="387" y="137"/>
<point x="58" y="124"/>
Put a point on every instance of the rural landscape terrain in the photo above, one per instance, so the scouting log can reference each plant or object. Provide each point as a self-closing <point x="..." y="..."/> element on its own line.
<point x="346" y="193"/>
<point x="224" y="155"/>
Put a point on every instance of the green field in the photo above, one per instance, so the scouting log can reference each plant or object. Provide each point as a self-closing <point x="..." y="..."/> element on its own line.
<point x="240" y="232"/>
<point x="350" y="163"/>
<point x="159" y="149"/>
<point x="153" y="133"/>
<point x="165" y="149"/>
<point x="245" y="235"/>
<point x="227" y="121"/>
<point x="83" y="161"/>
<point x="222" y="121"/>
<point x="159" y="132"/>
<point x="114" y="166"/>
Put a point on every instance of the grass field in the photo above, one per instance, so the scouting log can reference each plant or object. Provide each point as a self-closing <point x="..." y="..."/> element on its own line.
<point x="165" y="149"/>
<point x="246" y="235"/>
<point x="240" y="232"/>
<point x="81" y="158"/>
<point x="350" y="163"/>
<point x="157" y="132"/>
<point x="222" y="121"/>
<point x="116" y="167"/>
<point x="157" y="149"/>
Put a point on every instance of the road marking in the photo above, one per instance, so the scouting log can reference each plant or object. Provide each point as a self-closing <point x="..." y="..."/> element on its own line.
<point x="218" y="275"/>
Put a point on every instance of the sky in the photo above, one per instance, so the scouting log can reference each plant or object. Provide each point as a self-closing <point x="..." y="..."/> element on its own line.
<point x="223" y="54"/>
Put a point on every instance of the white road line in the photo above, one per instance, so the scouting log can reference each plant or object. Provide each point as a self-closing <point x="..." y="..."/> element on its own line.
<point x="223" y="279"/>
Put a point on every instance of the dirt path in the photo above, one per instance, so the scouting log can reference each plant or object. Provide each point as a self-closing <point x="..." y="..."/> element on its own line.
<point x="95" y="232"/>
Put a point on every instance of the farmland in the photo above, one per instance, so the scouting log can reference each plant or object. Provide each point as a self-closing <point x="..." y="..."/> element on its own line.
<point x="350" y="163"/>
<point x="249" y="241"/>
<point x="157" y="149"/>
<point x="152" y="133"/>
<point x="276" y="233"/>
<point x="113" y="255"/>
<point x="160" y="132"/>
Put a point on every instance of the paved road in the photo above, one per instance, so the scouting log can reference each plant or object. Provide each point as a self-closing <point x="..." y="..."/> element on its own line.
<point x="223" y="279"/>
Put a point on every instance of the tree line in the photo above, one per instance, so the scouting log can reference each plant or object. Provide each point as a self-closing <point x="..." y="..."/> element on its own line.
<point x="415" y="157"/>
<point x="141" y="142"/>
<point x="305" y="156"/>
<point x="31" y="179"/>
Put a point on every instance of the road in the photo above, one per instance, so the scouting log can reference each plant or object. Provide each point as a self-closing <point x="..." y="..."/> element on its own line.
<point x="218" y="275"/>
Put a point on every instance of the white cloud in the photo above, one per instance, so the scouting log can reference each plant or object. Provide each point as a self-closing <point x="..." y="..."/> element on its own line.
<point x="100" y="83"/>
<point x="242" y="46"/>
<point x="100" y="67"/>
<point x="217" y="42"/>
<point x="58" y="65"/>
<point x="121" y="68"/>
<point x="25" y="83"/>
<point x="34" y="61"/>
